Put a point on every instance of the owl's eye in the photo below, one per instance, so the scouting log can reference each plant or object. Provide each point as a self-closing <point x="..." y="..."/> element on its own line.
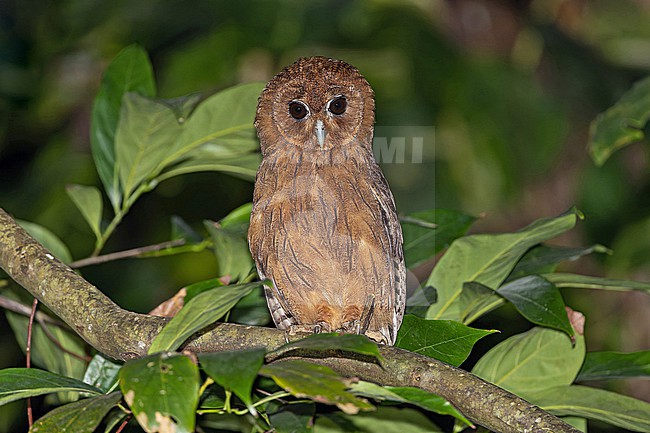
<point x="337" y="105"/>
<point x="298" y="110"/>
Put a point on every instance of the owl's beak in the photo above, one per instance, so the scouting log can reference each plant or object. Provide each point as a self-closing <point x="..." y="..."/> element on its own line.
<point x="320" y="133"/>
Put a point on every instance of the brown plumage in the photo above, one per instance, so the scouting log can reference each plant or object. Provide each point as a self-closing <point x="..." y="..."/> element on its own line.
<point x="324" y="228"/>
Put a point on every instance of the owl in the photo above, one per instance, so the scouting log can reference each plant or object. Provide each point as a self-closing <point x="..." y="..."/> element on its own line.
<point x="324" y="229"/>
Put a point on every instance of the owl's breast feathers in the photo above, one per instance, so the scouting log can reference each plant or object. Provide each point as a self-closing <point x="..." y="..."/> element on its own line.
<point x="324" y="229"/>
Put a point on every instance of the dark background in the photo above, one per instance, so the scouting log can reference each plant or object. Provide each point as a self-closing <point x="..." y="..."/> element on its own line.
<point x="509" y="87"/>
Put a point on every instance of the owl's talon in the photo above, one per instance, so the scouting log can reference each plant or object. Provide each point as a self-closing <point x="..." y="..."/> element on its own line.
<point x="322" y="327"/>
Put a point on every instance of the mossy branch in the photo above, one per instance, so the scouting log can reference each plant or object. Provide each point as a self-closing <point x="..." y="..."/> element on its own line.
<point x="125" y="335"/>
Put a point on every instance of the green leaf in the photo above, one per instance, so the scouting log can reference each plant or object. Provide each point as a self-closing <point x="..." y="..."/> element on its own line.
<point x="320" y="383"/>
<point x="88" y="200"/>
<point x="384" y="419"/>
<point x="615" y="365"/>
<point x="486" y="259"/>
<point x="622" y="124"/>
<point x="242" y="163"/>
<point x="199" y="287"/>
<point x="539" y="301"/>
<point x="201" y="311"/>
<point x="414" y="396"/>
<point x="419" y="301"/>
<point x="182" y="230"/>
<point x="213" y="397"/>
<point x="330" y="343"/>
<point x="593" y="403"/>
<point x="82" y="416"/>
<point x="251" y="309"/>
<point x="478" y="300"/>
<point x="577" y="422"/>
<point x="543" y="259"/>
<point x="45" y="353"/>
<point x="574" y="281"/>
<point x="102" y="373"/>
<point x="235" y="371"/>
<point x="162" y="390"/>
<point x="130" y="71"/>
<point x="294" y="418"/>
<point x="48" y="239"/>
<point x="445" y="340"/>
<point x="18" y="383"/>
<point x="531" y="361"/>
<point x="223" y="122"/>
<point x="229" y="237"/>
<point x="428" y="401"/>
<point x="145" y="135"/>
<point x="426" y="233"/>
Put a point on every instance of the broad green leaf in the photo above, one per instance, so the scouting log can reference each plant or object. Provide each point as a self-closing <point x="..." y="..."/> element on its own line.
<point x="201" y="311"/>
<point x="593" y="403"/>
<point x="182" y="230"/>
<point x="241" y="162"/>
<point x="162" y="391"/>
<point x="251" y="309"/>
<point x="478" y="300"/>
<point x="319" y="344"/>
<point x="428" y="401"/>
<point x="577" y="422"/>
<point x="414" y="396"/>
<point x="320" y="383"/>
<point x="48" y="239"/>
<point x="197" y="288"/>
<point x="575" y="281"/>
<point x="419" y="301"/>
<point x="82" y="416"/>
<point x="18" y="383"/>
<point x="235" y="371"/>
<point x="229" y="237"/>
<point x="615" y="365"/>
<point x="531" y="361"/>
<point x="539" y="301"/>
<point x="145" y="135"/>
<point x="486" y="259"/>
<point x="543" y="259"/>
<point x="183" y="106"/>
<point x="426" y="233"/>
<point x="45" y="353"/>
<point x="223" y="121"/>
<point x="622" y="124"/>
<point x="213" y="398"/>
<point x="102" y="373"/>
<point x="445" y="340"/>
<point x="384" y="420"/>
<point x="88" y="200"/>
<point x="293" y="418"/>
<point x="130" y="71"/>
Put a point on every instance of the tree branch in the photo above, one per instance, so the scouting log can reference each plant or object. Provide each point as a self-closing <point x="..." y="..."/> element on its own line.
<point x="125" y="335"/>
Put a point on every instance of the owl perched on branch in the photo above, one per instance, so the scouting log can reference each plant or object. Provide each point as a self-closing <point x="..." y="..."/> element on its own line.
<point x="324" y="228"/>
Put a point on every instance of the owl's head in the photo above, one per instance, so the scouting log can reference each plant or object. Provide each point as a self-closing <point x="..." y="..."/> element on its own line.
<point x="316" y="104"/>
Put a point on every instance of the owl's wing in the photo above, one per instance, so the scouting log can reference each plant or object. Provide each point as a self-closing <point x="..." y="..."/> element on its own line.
<point x="278" y="306"/>
<point x="393" y="229"/>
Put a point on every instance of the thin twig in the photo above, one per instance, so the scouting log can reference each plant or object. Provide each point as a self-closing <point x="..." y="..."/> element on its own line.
<point x="134" y="252"/>
<point x="17" y="307"/>
<point x="58" y="344"/>
<point x="126" y="421"/>
<point x="28" y="353"/>
<point x="418" y="222"/>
